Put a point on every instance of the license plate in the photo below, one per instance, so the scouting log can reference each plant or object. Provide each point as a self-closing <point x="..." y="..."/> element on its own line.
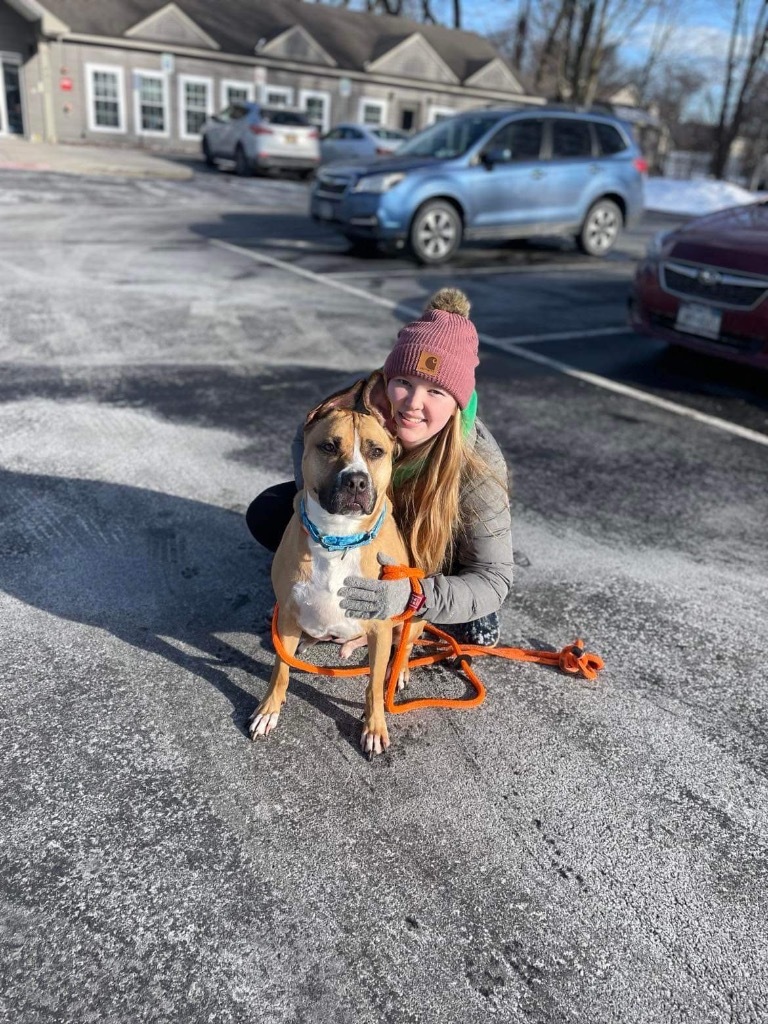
<point x="325" y="210"/>
<point x="290" y="138"/>
<point x="701" y="320"/>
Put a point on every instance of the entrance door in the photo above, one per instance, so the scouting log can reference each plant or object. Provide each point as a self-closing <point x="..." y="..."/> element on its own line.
<point x="408" y="118"/>
<point x="11" y="116"/>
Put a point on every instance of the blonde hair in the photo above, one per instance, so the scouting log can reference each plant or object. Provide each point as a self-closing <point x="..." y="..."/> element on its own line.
<point x="427" y="502"/>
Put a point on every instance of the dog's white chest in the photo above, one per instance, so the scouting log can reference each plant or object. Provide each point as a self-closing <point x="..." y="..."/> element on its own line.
<point x="317" y="599"/>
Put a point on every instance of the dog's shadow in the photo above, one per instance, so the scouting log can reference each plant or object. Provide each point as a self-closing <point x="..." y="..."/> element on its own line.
<point x="162" y="573"/>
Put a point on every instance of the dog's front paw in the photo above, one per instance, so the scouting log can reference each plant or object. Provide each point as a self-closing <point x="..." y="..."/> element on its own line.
<point x="261" y="723"/>
<point x="374" y="739"/>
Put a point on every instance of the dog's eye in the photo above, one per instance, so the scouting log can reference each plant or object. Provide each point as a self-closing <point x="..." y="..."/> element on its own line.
<point x="375" y="453"/>
<point x="328" y="447"/>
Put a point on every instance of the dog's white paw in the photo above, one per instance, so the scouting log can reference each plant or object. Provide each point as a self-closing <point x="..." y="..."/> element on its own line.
<point x="349" y="646"/>
<point x="263" y="724"/>
<point x="374" y="742"/>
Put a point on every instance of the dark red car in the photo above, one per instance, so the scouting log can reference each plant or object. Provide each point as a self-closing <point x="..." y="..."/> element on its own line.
<point x="705" y="286"/>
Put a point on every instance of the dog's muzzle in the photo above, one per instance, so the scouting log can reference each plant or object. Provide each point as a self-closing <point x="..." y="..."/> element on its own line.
<point x="350" y="494"/>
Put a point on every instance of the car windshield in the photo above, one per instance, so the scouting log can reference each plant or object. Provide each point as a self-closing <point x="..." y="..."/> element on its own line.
<point x="450" y="138"/>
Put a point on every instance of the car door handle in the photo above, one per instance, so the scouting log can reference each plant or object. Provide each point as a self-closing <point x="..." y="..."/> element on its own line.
<point x="538" y="174"/>
<point x="595" y="169"/>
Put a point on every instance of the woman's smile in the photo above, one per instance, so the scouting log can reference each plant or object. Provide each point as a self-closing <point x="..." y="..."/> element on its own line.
<point x="420" y="409"/>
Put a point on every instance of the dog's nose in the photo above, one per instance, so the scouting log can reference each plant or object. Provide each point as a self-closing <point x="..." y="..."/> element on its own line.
<point x="355" y="483"/>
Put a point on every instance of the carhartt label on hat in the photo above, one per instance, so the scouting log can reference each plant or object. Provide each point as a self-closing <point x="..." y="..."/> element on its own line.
<point x="429" y="363"/>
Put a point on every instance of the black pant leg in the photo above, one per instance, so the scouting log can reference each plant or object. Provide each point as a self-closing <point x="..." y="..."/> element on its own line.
<point x="270" y="512"/>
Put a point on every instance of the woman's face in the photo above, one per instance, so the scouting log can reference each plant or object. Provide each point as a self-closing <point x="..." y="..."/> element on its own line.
<point x="420" y="409"/>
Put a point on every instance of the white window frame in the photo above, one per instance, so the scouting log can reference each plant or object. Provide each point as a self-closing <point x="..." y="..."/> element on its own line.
<point x="308" y="94"/>
<point x="234" y="83"/>
<point x="12" y="60"/>
<point x="197" y="79"/>
<point x="111" y="69"/>
<point x="436" y="112"/>
<point x="369" y="101"/>
<point x="282" y="90"/>
<point x="163" y="78"/>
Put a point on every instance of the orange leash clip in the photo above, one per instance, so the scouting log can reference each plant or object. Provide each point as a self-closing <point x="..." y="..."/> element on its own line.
<point x="572" y="659"/>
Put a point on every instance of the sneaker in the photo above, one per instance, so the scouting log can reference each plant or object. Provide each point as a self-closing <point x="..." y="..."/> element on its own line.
<point x="482" y="632"/>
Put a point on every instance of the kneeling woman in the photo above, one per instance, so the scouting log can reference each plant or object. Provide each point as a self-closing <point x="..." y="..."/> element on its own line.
<point x="449" y="487"/>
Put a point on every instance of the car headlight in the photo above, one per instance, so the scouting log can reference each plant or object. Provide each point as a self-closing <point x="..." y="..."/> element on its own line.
<point x="656" y="244"/>
<point x="378" y="182"/>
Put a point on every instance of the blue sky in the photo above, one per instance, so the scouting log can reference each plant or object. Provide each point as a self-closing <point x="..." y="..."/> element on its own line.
<point x="486" y="15"/>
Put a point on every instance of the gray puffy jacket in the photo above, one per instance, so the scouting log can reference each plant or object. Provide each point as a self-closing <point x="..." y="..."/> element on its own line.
<point x="483" y="564"/>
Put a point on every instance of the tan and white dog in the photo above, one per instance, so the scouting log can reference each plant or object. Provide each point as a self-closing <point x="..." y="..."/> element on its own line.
<point x="342" y="520"/>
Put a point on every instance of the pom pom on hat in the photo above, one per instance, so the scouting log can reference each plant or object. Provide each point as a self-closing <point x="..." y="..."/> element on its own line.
<point x="440" y="347"/>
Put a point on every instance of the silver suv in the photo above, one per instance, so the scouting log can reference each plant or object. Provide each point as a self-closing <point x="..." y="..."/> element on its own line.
<point x="261" y="138"/>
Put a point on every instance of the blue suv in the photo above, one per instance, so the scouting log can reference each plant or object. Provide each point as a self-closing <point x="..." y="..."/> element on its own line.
<point x="511" y="173"/>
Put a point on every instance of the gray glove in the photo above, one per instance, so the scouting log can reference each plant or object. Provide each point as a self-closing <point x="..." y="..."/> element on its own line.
<point x="374" y="599"/>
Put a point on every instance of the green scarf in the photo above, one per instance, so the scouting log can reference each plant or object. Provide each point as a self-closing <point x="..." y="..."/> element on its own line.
<point x="468" y="417"/>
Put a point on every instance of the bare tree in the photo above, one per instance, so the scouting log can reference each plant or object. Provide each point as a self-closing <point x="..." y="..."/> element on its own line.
<point x="742" y="75"/>
<point x="577" y="35"/>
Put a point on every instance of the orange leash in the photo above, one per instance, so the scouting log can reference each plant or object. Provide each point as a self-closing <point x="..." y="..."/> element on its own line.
<point x="572" y="659"/>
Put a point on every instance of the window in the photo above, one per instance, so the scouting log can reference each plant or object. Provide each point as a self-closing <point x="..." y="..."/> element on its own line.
<point x="283" y="117"/>
<point x="609" y="138"/>
<point x="235" y="92"/>
<point x="150" y="103"/>
<point x="317" y="106"/>
<point x="278" y="96"/>
<point x="450" y="138"/>
<point x="519" y="140"/>
<point x="195" y="98"/>
<point x="105" y="98"/>
<point x="373" y="112"/>
<point x="571" y="138"/>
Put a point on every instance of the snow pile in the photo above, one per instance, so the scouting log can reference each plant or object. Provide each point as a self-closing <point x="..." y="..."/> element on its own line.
<point x="668" y="195"/>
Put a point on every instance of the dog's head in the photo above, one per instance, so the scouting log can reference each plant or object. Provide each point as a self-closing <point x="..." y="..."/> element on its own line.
<point x="348" y="449"/>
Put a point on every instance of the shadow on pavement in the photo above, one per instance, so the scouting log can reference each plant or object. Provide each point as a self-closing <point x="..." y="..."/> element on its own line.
<point x="161" y="573"/>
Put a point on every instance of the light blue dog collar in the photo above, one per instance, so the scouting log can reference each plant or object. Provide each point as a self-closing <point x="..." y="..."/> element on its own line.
<point x="330" y="543"/>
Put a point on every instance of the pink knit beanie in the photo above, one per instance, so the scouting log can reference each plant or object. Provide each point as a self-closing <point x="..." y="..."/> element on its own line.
<point x="441" y="347"/>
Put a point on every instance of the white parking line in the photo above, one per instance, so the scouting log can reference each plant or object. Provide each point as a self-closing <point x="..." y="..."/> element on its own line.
<point x="512" y="347"/>
<point x="536" y="339"/>
<point x="620" y="269"/>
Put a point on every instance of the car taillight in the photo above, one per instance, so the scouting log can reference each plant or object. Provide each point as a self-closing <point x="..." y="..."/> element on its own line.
<point x="260" y="129"/>
<point x="640" y="164"/>
<point x="383" y="151"/>
<point x="314" y="134"/>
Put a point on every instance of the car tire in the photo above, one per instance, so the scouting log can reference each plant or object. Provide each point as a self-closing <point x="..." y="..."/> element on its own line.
<point x="435" y="232"/>
<point x="208" y="154"/>
<point x="601" y="228"/>
<point x="242" y="164"/>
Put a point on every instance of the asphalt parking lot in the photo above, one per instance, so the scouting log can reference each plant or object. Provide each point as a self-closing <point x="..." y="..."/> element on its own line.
<point x="570" y="851"/>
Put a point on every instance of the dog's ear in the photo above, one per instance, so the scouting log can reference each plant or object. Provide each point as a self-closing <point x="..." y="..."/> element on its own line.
<point x="350" y="398"/>
<point x="376" y="401"/>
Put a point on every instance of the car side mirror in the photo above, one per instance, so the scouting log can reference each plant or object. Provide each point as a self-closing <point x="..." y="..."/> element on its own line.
<point x="496" y="155"/>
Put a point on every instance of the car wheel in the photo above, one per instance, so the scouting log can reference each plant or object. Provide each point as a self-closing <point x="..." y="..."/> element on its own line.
<point x="207" y="154"/>
<point x="600" y="229"/>
<point x="242" y="163"/>
<point x="435" y="232"/>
